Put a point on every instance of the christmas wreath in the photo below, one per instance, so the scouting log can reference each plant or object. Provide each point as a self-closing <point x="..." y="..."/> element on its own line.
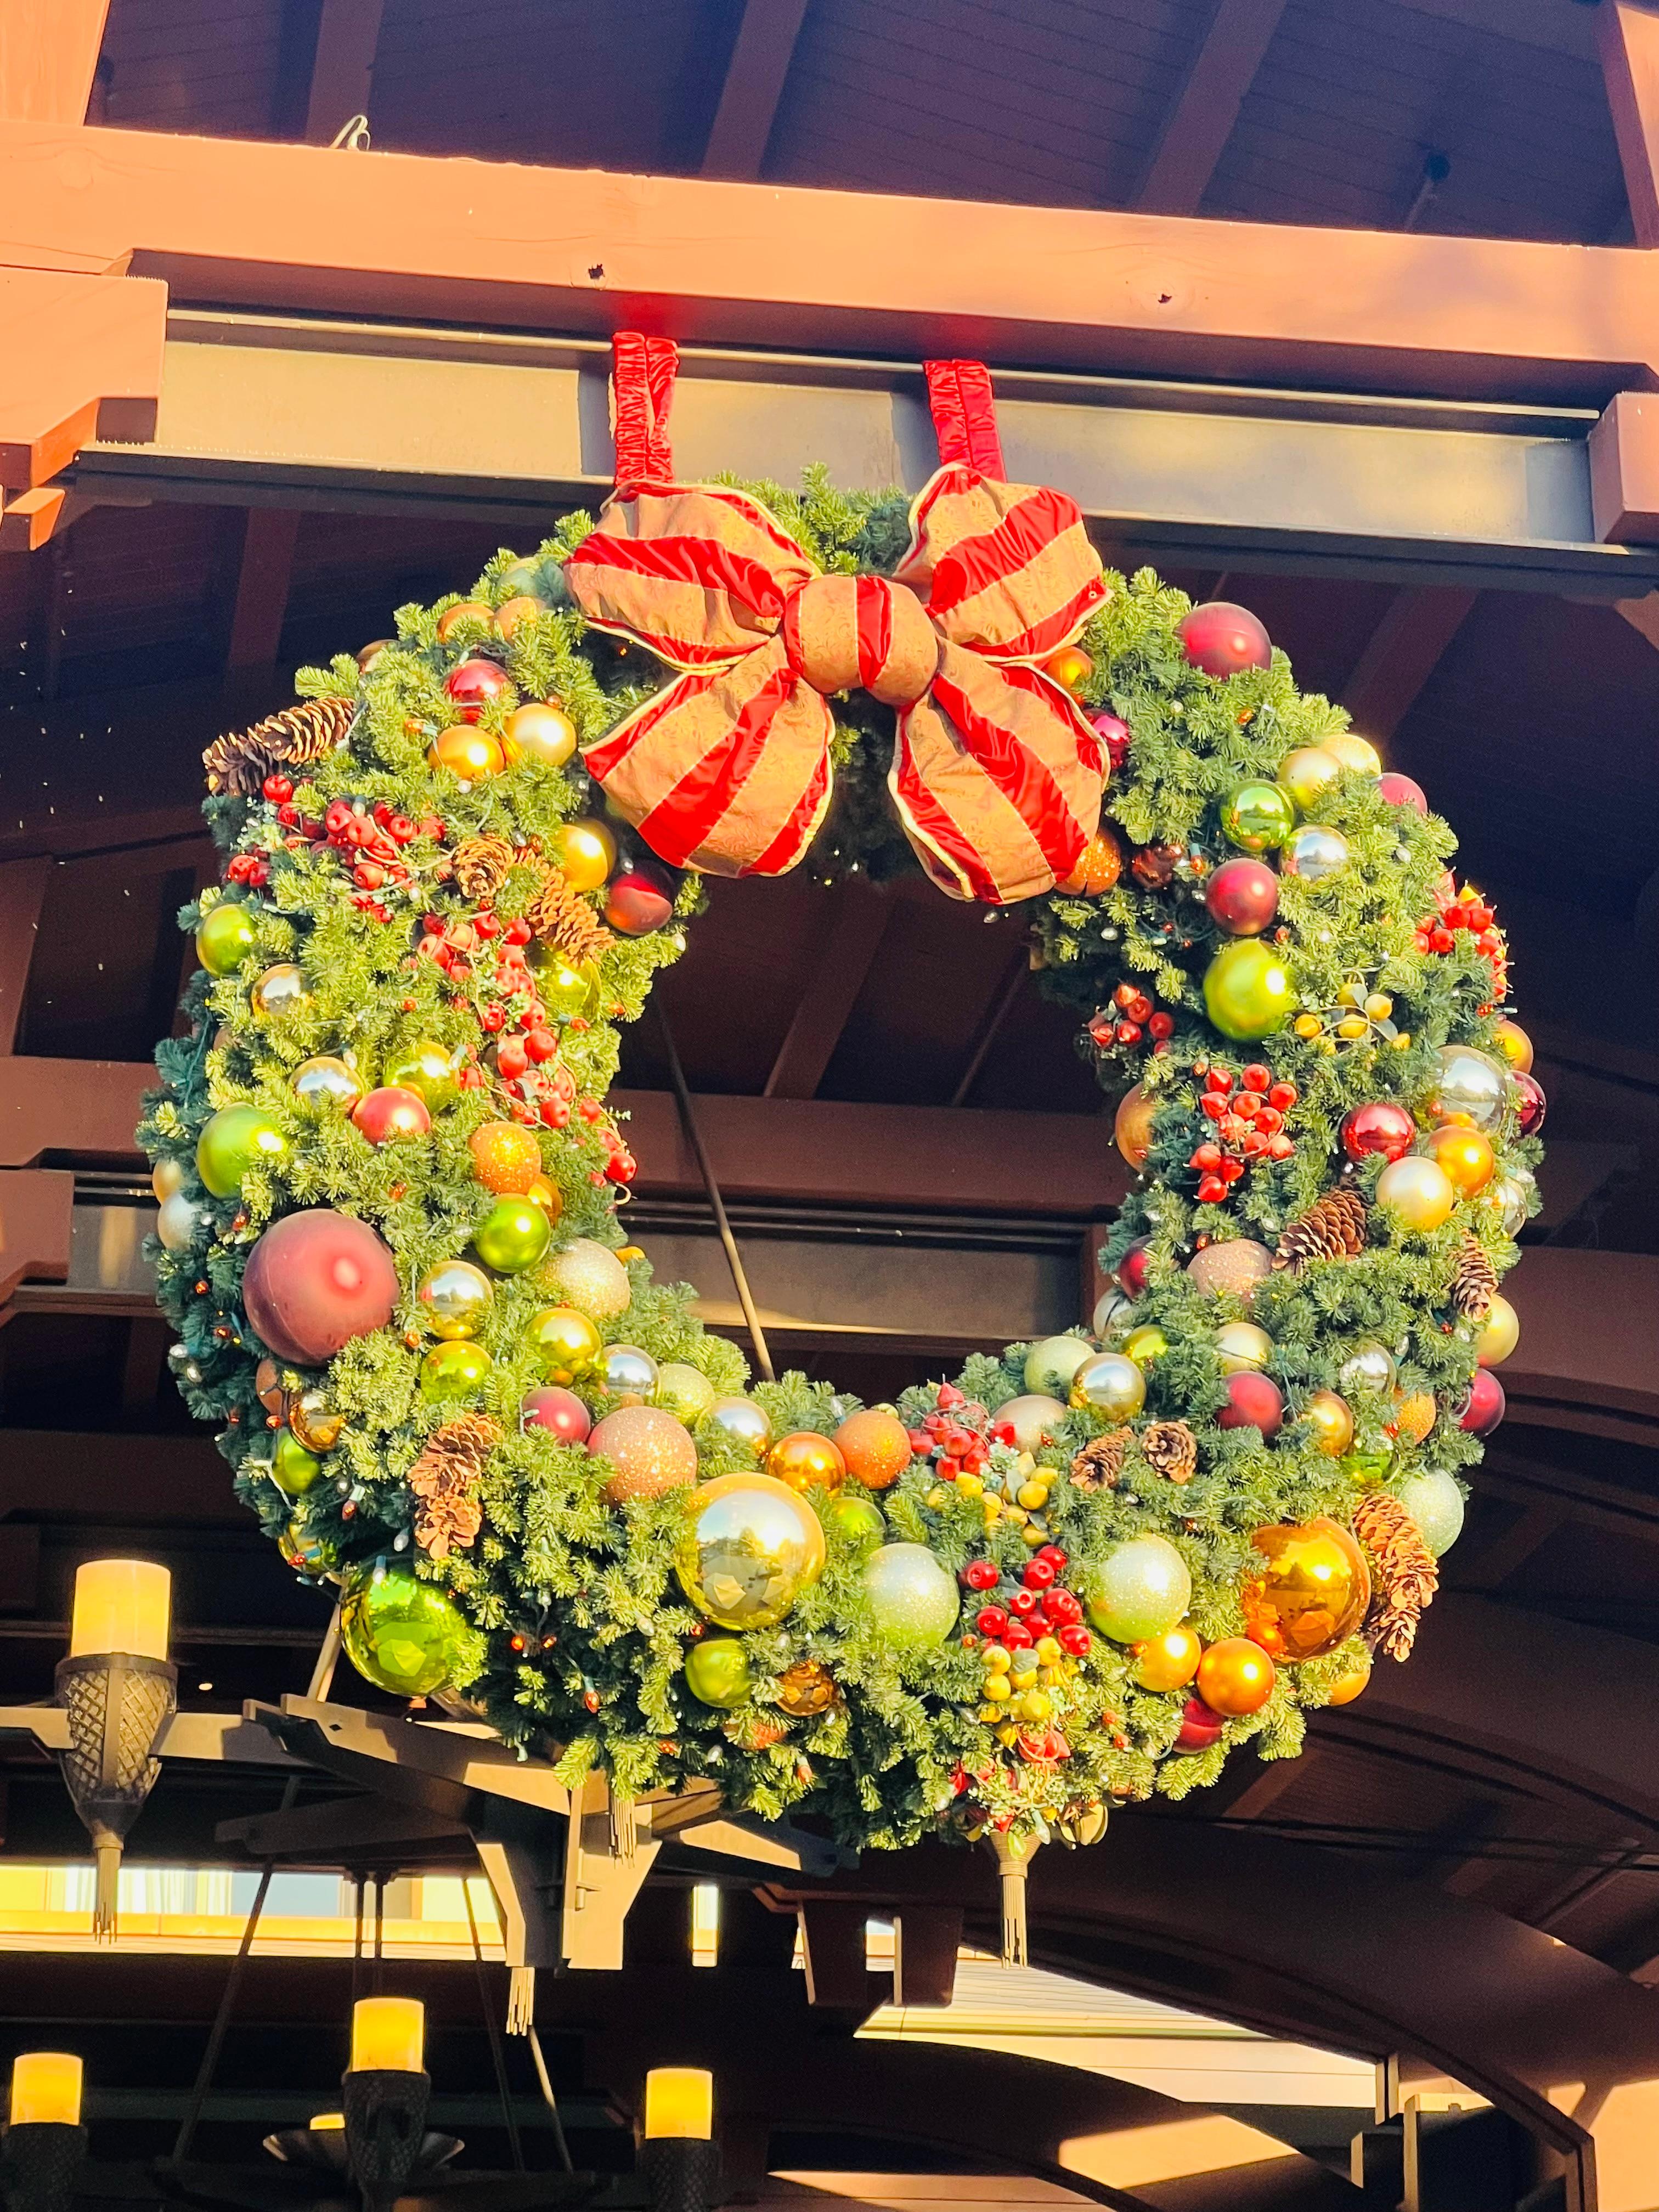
<point x="389" y="1239"/>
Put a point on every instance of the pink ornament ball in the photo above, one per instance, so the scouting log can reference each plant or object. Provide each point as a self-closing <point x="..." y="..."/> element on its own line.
<point x="1400" y="791"/>
<point x="1254" y="1401"/>
<point x="1242" y="897"/>
<point x="1486" y="1405"/>
<point x="560" y="1412"/>
<point x="1132" y="1270"/>
<point x="1531" y="1103"/>
<point x="648" y="1450"/>
<point x="313" y="1281"/>
<point x="1224" y="640"/>
<point x="1115" y="735"/>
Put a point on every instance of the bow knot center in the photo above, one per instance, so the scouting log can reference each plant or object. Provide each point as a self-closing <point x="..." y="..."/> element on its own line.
<point x="852" y="633"/>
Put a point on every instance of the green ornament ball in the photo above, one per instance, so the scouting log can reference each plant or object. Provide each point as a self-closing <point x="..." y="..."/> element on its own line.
<point x="718" y="1672"/>
<point x="513" y="1237"/>
<point x="454" y="1370"/>
<point x="405" y="1636"/>
<point x="914" y="1599"/>
<point x="1050" y="1365"/>
<point x="293" y="1468"/>
<point x="857" y="1521"/>
<point x="565" y="990"/>
<point x="1257" y="817"/>
<point x="1139" y="1590"/>
<point x="224" y="939"/>
<point x="1436" y="1504"/>
<point x="428" y="1070"/>
<point x="684" y="1391"/>
<point x="1247" y="991"/>
<point x="232" y="1140"/>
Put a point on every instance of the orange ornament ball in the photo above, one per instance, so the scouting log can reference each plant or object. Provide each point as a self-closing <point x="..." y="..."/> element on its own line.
<point x="1514" y="1045"/>
<point x="468" y="753"/>
<point x="1167" y="1662"/>
<point x="874" y="1447"/>
<point x="1236" y="1676"/>
<point x="1132" y="1130"/>
<point x="1464" y="1156"/>
<point x="506" y="1159"/>
<point x="1349" y="1685"/>
<point x="806" y="1462"/>
<point x="1099" y="866"/>
<point x="1071" y="667"/>
<point x="466" y="610"/>
<point x="586" y="852"/>
<point x="512" y="612"/>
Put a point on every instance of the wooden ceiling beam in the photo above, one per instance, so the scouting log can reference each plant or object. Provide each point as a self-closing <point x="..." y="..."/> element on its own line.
<point x="761" y="56"/>
<point x="264" y="577"/>
<point x="1401" y="654"/>
<point x="48" y="56"/>
<point x="1206" y="108"/>
<point x="1627" y="39"/>
<point x="855" y="931"/>
<point x="80" y="358"/>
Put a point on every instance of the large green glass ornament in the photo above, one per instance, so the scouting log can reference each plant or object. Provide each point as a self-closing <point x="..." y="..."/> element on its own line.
<point x="455" y="1370"/>
<point x="293" y="1468"/>
<point x="718" y="1672"/>
<point x="914" y="1599"/>
<point x="1247" y="991"/>
<point x="1257" y="817"/>
<point x="401" y="1634"/>
<point x="1436" y="1504"/>
<point x="512" y="1235"/>
<point x="564" y="989"/>
<point x="232" y="1141"/>
<point x="858" y="1521"/>
<point x="224" y="939"/>
<point x="752" y="1546"/>
<point x="1051" y="1363"/>
<point x="1139" y="1590"/>
<point x="306" y="1554"/>
<point x="428" y="1070"/>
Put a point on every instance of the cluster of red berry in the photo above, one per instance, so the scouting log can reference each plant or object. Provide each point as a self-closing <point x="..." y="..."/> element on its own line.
<point x="953" y="1435"/>
<point x="1130" y="1020"/>
<point x="1249" y="1126"/>
<point x="1038" y="1605"/>
<point x="370" y="838"/>
<point x="1466" y="911"/>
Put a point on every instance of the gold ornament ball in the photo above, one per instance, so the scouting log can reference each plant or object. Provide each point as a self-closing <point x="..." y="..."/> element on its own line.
<point x="807" y="1689"/>
<point x="1242" y="1346"/>
<point x="1356" y="753"/>
<point x="752" y="1546"/>
<point x="586" y="852"/>
<point x="1370" y="1367"/>
<point x="429" y="1071"/>
<point x="1514" y="1045"/>
<point x="326" y="1082"/>
<point x="1145" y="1344"/>
<point x="547" y="1195"/>
<point x="742" y="1418"/>
<point x="1132" y="1130"/>
<point x="684" y="1391"/>
<point x="566" y="1342"/>
<point x="314" y="1421"/>
<point x="1464" y="1155"/>
<point x="1310" y="1593"/>
<point x="1349" y="1685"/>
<point x="1233" y="1269"/>
<point x="469" y="754"/>
<point x="1332" y="1421"/>
<point x="1167" y="1662"/>
<point x="453" y="1370"/>
<point x="591" y="1278"/>
<point x="1071" y="667"/>
<point x="455" y="1298"/>
<point x="542" y="731"/>
<point x="627" y="1373"/>
<point x="806" y="1460"/>
<point x="1110" y="1385"/>
<point x="1509" y="1196"/>
<point x="1419" y="1190"/>
<point x="649" y="1452"/>
<point x="1236" y="1676"/>
<point x="279" y="990"/>
<point x="166" y="1178"/>
<point x="875" y="1447"/>
<point x="1307" y="772"/>
<point x="1499" y="1334"/>
<point x="224" y="938"/>
<point x="506" y="1159"/>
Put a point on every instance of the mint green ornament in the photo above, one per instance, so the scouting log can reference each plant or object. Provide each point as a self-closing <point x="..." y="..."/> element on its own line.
<point x="1050" y="1365"/>
<point x="1257" y="817"/>
<point x="1436" y="1504"/>
<point x="1247" y="991"/>
<point x="718" y="1673"/>
<point x="914" y="1600"/>
<point x="1140" y="1589"/>
<point x="232" y="1140"/>
<point x="401" y="1634"/>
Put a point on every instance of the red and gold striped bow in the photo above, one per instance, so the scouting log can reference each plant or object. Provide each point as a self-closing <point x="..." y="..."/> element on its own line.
<point x="996" y="775"/>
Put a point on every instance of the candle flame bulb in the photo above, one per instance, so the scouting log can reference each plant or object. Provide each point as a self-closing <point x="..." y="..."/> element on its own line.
<point x="121" y="1605"/>
<point x="46" y="2087"/>
<point x="679" y="2101"/>
<point x="388" y="2035"/>
<point x="326" y="2123"/>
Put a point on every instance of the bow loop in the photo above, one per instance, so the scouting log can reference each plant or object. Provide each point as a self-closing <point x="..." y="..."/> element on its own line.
<point x="1005" y="569"/>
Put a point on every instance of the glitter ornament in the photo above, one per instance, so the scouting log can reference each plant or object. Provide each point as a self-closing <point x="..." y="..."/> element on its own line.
<point x="403" y="1635"/>
<point x="506" y="1159"/>
<point x="1051" y="1363"/>
<point x="1231" y="1269"/>
<point x="684" y="1391"/>
<point x="512" y="1235"/>
<point x="560" y="1412"/>
<point x="648" y="1450"/>
<point x="1031" y="1421"/>
<point x="743" y="1418"/>
<point x="1096" y="868"/>
<point x="875" y="1448"/>
<point x="1139" y="1590"/>
<point x="455" y="1298"/>
<point x="1111" y="1386"/>
<point x="234" y="1140"/>
<point x="324" y="1082"/>
<point x="806" y="1460"/>
<point x="455" y="1370"/>
<point x="224" y="938"/>
<point x="565" y="1341"/>
<point x="591" y="1278"/>
<point x="752" y="1546"/>
<point x="718" y="1673"/>
<point x="1436" y="1504"/>
<point x="914" y="1599"/>
<point x="313" y="1281"/>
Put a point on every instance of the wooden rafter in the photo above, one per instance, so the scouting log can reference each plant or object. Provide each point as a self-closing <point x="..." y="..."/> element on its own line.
<point x="850" y="946"/>
<point x="264" y="573"/>
<point x="1401" y="654"/>
<point x="1627" y="35"/>
<point x="1206" y="108"/>
<point x="48" y="54"/>
<point x="755" y="76"/>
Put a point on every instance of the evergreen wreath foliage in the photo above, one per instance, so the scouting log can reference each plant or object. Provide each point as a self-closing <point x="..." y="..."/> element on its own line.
<point x="577" y="1631"/>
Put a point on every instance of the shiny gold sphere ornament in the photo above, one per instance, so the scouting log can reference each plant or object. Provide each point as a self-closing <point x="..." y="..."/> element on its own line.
<point x="455" y="1298"/>
<point x="684" y="1391"/>
<point x="626" y="1372"/>
<point x="166" y="1177"/>
<point x="1419" y="1190"/>
<point x="1332" y="1421"/>
<point x="1053" y="1361"/>
<point x="1313" y="853"/>
<point x="1470" y="1085"/>
<point x="326" y="1083"/>
<point x="1370" y="1367"/>
<point x="806" y="1460"/>
<point x="1167" y="1662"/>
<point x="1311" y="1591"/>
<point x="1132" y="1130"/>
<point x="565" y="1341"/>
<point x="279" y="990"/>
<point x="224" y="938"/>
<point x="314" y="1421"/>
<point x="506" y="1159"/>
<point x="512" y="1235"/>
<point x="469" y="754"/>
<point x="540" y="731"/>
<point x="1499" y="1334"/>
<point x="1306" y="772"/>
<point x="648" y="1450"/>
<point x="1233" y="1269"/>
<point x="293" y="1468"/>
<point x="1464" y="1155"/>
<point x="1111" y="1386"/>
<point x="586" y="852"/>
<point x="914" y="1599"/>
<point x="590" y="1276"/>
<point x="546" y="1193"/>
<point x="453" y="1370"/>
<point x="1247" y="992"/>
<point x="1243" y="1347"/>
<point x="743" y="1418"/>
<point x="1354" y="752"/>
<point x="752" y="1546"/>
<point x="1257" y="817"/>
<point x="1138" y="1591"/>
<point x="1514" y="1045"/>
<point x="807" y="1689"/>
<point x="1236" y="1676"/>
<point x="1143" y="1345"/>
<point x="429" y="1070"/>
<point x="1070" y="667"/>
<point x="1352" y="1682"/>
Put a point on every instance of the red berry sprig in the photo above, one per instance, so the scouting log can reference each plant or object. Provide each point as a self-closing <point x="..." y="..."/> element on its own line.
<point x="953" y="1435"/>
<point x="1132" y="1019"/>
<point x="1246" y="1113"/>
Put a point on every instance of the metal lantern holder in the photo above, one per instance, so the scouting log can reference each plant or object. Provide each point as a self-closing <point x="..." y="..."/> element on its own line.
<point x="39" y="2164"/>
<point x="385" y="2130"/>
<point x="118" y="1707"/>
<point x="681" y="2174"/>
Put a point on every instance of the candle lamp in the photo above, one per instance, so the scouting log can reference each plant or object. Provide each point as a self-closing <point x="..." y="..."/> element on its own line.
<point x="119" y="1692"/>
<point x="678" y="2158"/>
<point x="384" y="2095"/>
<point x="44" y="2142"/>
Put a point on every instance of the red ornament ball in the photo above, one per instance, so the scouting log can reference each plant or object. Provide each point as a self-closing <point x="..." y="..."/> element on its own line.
<point x="313" y="1281"/>
<point x="1381" y="1130"/>
<point x="638" y="901"/>
<point x="1254" y="1401"/>
<point x="1115" y="735"/>
<point x="1242" y="897"/>
<point x="1224" y="639"/>
<point x="1531" y="1103"/>
<point x="1199" y="1727"/>
<point x="390" y="1113"/>
<point x="561" y="1413"/>
<point x="474" y="684"/>
<point x="1400" y="791"/>
<point x="1486" y="1404"/>
<point x="1132" y="1270"/>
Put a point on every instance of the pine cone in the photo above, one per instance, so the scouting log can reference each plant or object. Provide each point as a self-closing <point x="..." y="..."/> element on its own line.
<point x="1404" y="1575"/>
<point x="1474" y="1284"/>
<point x="1332" y="1228"/>
<point x="293" y="739"/>
<point x="1169" y="1448"/>
<point x="1099" y="1464"/>
<point x="564" y="917"/>
<point x="481" y="867"/>
<point x="443" y="1478"/>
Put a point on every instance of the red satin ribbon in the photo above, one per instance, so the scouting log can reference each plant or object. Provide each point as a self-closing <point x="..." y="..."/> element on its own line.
<point x="960" y="399"/>
<point x="642" y="381"/>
